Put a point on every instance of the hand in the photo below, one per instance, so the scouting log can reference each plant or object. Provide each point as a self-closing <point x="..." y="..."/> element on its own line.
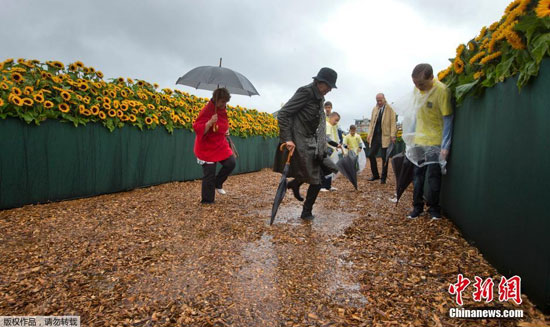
<point x="339" y="146"/>
<point x="227" y="133"/>
<point x="393" y="138"/>
<point x="444" y="154"/>
<point x="213" y="119"/>
<point x="290" y="145"/>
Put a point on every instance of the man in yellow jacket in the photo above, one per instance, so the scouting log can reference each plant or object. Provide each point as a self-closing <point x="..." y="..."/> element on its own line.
<point x="382" y="131"/>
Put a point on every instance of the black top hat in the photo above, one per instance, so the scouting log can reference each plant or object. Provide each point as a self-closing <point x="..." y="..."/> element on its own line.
<point x="328" y="76"/>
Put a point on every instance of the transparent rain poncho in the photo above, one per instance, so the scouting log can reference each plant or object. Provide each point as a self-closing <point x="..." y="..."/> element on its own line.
<point x="423" y="138"/>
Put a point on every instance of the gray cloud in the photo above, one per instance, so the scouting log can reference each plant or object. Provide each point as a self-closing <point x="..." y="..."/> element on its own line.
<point x="278" y="45"/>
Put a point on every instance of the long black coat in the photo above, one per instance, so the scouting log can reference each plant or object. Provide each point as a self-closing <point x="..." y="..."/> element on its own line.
<point x="302" y="120"/>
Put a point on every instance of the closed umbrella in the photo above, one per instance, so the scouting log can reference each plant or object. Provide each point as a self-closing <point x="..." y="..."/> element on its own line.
<point x="403" y="170"/>
<point x="281" y="190"/>
<point x="348" y="167"/>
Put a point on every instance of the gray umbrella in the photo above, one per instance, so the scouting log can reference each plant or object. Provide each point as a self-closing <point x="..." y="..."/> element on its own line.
<point x="212" y="77"/>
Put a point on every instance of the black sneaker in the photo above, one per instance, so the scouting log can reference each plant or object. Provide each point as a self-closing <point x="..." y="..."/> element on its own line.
<point x="415" y="213"/>
<point x="435" y="215"/>
<point x="373" y="178"/>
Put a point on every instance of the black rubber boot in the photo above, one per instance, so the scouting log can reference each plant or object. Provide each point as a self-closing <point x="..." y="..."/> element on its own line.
<point x="311" y="196"/>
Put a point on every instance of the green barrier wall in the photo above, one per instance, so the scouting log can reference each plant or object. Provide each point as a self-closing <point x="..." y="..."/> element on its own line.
<point x="56" y="161"/>
<point x="497" y="187"/>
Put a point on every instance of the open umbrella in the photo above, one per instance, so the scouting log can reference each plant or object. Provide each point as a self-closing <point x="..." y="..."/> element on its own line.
<point x="214" y="77"/>
<point x="403" y="170"/>
<point x="281" y="190"/>
<point x="348" y="167"/>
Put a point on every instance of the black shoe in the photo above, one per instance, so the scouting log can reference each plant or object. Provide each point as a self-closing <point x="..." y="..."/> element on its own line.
<point x="295" y="187"/>
<point x="383" y="181"/>
<point x="307" y="215"/>
<point x="415" y="213"/>
<point x="373" y="178"/>
<point x="435" y="215"/>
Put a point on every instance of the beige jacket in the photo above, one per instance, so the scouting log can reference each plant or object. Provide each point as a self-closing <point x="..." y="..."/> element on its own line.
<point x="389" y="125"/>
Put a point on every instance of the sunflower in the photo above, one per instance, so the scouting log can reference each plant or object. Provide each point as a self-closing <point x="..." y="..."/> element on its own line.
<point x="459" y="50"/>
<point x="120" y="79"/>
<point x="4" y="86"/>
<point x="476" y="57"/>
<point x="73" y="67"/>
<point x="86" y="99"/>
<point x="129" y="80"/>
<point x="543" y="8"/>
<point x="81" y="109"/>
<point x="65" y="95"/>
<point x="514" y="40"/>
<point x="148" y="120"/>
<point x="106" y="100"/>
<point x="140" y="83"/>
<point x="490" y="57"/>
<point x="79" y="64"/>
<point x="63" y="107"/>
<point x="102" y="115"/>
<point x="111" y="113"/>
<point x="16" y="100"/>
<point x="479" y="75"/>
<point x="95" y="110"/>
<point x="28" y="102"/>
<point x="116" y="104"/>
<point x="28" y="90"/>
<point x="56" y="64"/>
<point x="471" y="46"/>
<point x="1" y="102"/>
<point x="112" y="94"/>
<point x="133" y="118"/>
<point x="48" y="104"/>
<point x="99" y="74"/>
<point x="39" y="98"/>
<point x="16" y="77"/>
<point x="124" y="107"/>
<point x="142" y="110"/>
<point x="16" y="91"/>
<point x="155" y="85"/>
<point x="106" y="106"/>
<point x="124" y="94"/>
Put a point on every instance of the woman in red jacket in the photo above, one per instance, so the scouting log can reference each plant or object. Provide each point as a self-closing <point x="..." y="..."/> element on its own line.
<point x="211" y="144"/>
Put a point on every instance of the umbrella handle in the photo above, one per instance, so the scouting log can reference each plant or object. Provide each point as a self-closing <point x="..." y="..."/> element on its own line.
<point x="289" y="154"/>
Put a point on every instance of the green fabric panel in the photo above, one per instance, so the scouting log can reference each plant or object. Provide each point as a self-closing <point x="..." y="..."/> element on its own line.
<point x="497" y="187"/>
<point x="57" y="161"/>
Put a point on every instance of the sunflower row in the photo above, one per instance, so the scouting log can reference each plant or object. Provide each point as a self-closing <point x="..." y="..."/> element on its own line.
<point x="35" y="92"/>
<point x="515" y="44"/>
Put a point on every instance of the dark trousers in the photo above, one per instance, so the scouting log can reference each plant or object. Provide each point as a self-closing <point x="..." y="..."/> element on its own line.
<point x="376" y="144"/>
<point x="311" y="196"/>
<point x="433" y="173"/>
<point x="211" y="181"/>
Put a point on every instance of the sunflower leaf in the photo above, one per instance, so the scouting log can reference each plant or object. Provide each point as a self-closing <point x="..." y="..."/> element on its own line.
<point x="540" y="46"/>
<point x="462" y="90"/>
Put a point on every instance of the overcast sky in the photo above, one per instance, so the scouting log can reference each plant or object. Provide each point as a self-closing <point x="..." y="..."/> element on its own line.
<point x="277" y="45"/>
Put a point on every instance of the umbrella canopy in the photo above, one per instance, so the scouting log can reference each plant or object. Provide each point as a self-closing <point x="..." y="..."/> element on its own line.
<point x="281" y="190"/>
<point x="348" y="167"/>
<point x="403" y="170"/>
<point x="213" y="77"/>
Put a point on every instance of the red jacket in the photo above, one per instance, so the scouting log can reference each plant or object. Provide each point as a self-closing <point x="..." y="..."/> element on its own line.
<point x="212" y="146"/>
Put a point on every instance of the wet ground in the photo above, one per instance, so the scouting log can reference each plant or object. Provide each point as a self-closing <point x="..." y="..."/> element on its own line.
<point x="155" y="256"/>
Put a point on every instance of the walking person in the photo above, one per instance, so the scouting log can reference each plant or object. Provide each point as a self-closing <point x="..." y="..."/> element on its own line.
<point x="332" y="148"/>
<point x="382" y="131"/>
<point x="211" y="145"/>
<point x="302" y="125"/>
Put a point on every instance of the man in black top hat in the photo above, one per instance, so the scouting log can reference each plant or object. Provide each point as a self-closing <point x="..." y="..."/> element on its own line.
<point x="302" y="126"/>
